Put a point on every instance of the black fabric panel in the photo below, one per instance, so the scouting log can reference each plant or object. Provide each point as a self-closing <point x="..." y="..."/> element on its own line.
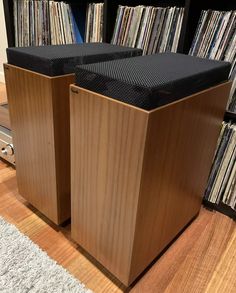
<point x="62" y="59"/>
<point x="154" y="80"/>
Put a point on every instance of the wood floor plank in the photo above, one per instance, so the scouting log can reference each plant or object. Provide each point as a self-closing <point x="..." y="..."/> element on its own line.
<point x="196" y="271"/>
<point x="163" y="272"/>
<point x="202" y="259"/>
<point x="222" y="279"/>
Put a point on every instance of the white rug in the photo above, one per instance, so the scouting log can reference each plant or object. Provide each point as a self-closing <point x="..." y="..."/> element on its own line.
<point x="24" y="267"/>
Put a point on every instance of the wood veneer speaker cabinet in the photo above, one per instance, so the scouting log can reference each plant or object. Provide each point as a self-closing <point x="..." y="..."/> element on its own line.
<point x="39" y="112"/>
<point x="138" y="176"/>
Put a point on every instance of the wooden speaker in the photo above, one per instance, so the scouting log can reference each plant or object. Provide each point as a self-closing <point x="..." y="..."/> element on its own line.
<point x="138" y="176"/>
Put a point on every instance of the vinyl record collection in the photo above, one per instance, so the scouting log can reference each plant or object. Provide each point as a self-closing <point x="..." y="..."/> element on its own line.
<point x="222" y="180"/>
<point x="153" y="29"/>
<point x="42" y="22"/>
<point x="94" y="22"/>
<point x="61" y="23"/>
<point x="215" y="38"/>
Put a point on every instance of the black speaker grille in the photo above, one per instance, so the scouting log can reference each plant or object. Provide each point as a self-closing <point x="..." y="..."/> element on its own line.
<point x="152" y="81"/>
<point x="62" y="59"/>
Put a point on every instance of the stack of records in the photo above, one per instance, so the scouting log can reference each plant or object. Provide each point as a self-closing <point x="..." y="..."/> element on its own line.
<point x="42" y="22"/>
<point x="153" y="29"/>
<point x="222" y="180"/>
<point x="94" y="23"/>
<point x="215" y="38"/>
<point x="61" y="23"/>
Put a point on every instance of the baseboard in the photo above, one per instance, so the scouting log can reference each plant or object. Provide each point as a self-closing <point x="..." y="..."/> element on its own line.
<point x="2" y="77"/>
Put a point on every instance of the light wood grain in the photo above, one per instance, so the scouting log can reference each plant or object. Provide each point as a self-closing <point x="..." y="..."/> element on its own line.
<point x="180" y="145"/>
<point x="39" y="111"/>
<point x="190" y="264"/>
<point x="138" y="177"/>
<point x="202" y="257"/>
<point x="222" y="280"/>
<point x="105" y="139"/>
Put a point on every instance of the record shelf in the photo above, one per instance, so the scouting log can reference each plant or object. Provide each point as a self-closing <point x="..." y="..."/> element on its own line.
<point x="75" y="6"/>
<point x="193" y="9"/>
<point x="109" y="18"/>
<point x="230" y="116"/>
<point x="221" y="207"/>
<point x="191" y="17"/>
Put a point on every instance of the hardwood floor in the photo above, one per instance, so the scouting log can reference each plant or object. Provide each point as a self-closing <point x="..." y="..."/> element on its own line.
<point x="202" y="259"/>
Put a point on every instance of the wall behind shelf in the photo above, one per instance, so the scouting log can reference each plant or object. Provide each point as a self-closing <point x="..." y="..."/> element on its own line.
<point x="3" y="43"/>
